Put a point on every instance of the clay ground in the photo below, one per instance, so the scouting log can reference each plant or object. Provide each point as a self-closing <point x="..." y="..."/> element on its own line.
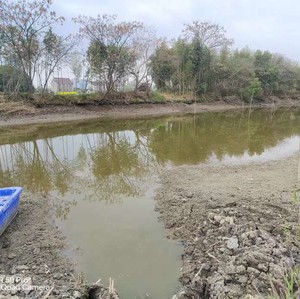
<point x="23" y="113"/>
<point x="239" y="226"/>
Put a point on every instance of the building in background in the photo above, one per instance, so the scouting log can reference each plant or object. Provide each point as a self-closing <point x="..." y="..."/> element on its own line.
<point x="61" y="85"/>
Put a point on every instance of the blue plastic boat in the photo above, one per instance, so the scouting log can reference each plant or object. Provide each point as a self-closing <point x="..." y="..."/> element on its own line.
<point x="9" y="204"/>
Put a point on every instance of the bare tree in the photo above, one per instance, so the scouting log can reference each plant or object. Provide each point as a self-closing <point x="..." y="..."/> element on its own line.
<point x="55" y="51"/>
<point x="23" y="25"/>
<point x="76" y="63"/>
<point x="143" y="46"/>
<point x="110" y="52"/>
<point x="208" y="34"/>
<point x="205" y="38"/>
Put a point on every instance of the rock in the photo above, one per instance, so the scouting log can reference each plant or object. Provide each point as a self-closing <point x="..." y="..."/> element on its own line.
<point x="22" y="267"/>
<point x="222" y="249"/>
<point x="77" y="294"/>
<point x="227" y="220"/>
<point x="57" y="276"/>
<point x="240" y="269"/>
<point x="243" y="279"/>
<point x="262" y="267"/>
<point x="36" y="251"/>
<point x="232" y="243"/>
<point x="11" y="256"/>
<point x="277" y="271"/>
<point x="230" y="268"/>
<point x="18" y="269"/>
<point x="253" y="271"/>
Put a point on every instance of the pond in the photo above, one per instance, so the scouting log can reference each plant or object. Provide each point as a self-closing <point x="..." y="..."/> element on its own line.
<point x="101" y="178"/>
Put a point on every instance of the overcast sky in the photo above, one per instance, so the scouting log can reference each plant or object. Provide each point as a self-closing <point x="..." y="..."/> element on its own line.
<point x="260" y="24"/>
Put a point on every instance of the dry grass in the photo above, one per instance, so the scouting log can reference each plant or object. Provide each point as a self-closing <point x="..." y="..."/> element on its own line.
<point x="10" y="107"/>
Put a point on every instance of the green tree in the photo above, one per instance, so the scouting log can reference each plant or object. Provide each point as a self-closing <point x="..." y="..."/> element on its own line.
<point x="266" y="71"/>
<point x="163" y="66"/>
<point x="110" y="52"/>
<point x="12" y="79"/>
<point x="205" y="38"/>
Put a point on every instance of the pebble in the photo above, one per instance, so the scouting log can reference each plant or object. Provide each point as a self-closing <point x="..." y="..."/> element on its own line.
<point x="77" y="294"/>
<point x="232" y="243"/>
<point x="11" y="256"/>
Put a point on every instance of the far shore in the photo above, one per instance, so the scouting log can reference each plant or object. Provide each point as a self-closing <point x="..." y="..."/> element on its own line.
<point x="23" y="114"/>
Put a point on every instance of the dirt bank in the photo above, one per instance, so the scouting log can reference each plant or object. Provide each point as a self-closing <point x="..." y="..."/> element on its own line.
<point x="22" y="113"/>
<point x="238" y="225"/>
<point x="31" y="254"/>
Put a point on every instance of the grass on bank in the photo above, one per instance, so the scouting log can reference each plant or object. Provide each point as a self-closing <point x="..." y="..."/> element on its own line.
<point x="289" y="288"/>
<point x="131" y="97"/>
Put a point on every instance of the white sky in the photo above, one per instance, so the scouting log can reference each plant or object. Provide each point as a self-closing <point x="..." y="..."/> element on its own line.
<point x="259" y="24"/>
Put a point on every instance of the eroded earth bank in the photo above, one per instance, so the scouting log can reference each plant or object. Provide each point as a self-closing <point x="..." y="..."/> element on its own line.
<point x="239" y="226"/>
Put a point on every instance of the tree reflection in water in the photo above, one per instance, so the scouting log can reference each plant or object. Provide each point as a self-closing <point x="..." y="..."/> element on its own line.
<point x="111" y="160"/>
<point x="101" y="166"/>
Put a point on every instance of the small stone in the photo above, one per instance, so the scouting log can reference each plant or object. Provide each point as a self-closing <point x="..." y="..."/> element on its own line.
<point x="217" y="219"/>
<point x="222" y="249"/>
<point x="11" y="256"/>
<point x="77" y="294"/>
<point x="22" y="267"/>
<point x="243" y="279"/>
<point x="253" y="271"/>
<point x="262" y="267"/>
<point x="36" y="251"/>
<point x="232" y="243"/>
<point x="276" y="270"/>
<point x="206" y="266"/>
<point x="230" y="268"/>
<point x="57" y="276"/>
<point x="240" y="269"/>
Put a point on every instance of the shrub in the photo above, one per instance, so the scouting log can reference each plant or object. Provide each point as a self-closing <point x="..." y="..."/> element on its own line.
<point x="157" y="97"/>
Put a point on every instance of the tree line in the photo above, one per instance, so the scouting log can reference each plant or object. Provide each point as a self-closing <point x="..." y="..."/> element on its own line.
<point x="120" y="54"/>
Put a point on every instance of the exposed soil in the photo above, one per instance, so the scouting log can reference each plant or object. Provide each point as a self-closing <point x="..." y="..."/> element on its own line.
<point x="24" y="113"/>
<point x="31" y="248"/>
<point x="239" y="226"/>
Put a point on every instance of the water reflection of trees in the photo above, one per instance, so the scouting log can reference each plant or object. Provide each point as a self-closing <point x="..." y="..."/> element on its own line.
<point x="194" y="139"/>
<point x="116" y="167"/>
<point x="102" y="164"/>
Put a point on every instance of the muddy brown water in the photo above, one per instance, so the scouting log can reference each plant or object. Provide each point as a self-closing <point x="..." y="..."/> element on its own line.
<point x="101" y="178"/>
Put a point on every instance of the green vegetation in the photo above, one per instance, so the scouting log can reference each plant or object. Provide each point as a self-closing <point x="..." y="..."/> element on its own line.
<point x="187" y="68"/>
<point x="157" y="97"/>
<point x="126" y="56"/>
<point x="11" y="81"/>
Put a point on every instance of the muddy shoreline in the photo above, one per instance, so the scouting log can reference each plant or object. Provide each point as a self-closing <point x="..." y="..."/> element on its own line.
<point x="31" y="253"/>
<point x="238" y="225"/>
<point x="52" y="114"/>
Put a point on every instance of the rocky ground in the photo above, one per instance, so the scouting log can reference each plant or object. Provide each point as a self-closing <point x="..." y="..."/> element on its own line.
<point x="239" y="226"/>
<point x="31" y="255"/>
